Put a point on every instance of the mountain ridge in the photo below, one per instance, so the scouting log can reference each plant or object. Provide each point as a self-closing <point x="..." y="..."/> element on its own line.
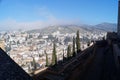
<point x="103" y="27"/>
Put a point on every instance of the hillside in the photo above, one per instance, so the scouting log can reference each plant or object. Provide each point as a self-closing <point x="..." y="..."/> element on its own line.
<point x="108" y="27"/>
<point x="104" y="27"/>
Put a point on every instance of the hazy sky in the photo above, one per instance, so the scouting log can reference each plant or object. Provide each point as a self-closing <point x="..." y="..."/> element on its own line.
<point x="30" y="14"/>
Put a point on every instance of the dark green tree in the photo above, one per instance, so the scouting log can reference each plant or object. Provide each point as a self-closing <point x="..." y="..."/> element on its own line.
<point x="63" y="55"/>
<point x="74" y="47"/>
<point x="103" y="38"/>
<point x="78" y="42"/>
<point x="18" y="42"/>
<point x="34" y="64"/>
<point x="54" y="56"/>
<point x="7" y="48"/>
<point x="47" y="63"/>
<point x="26" y="38"/>
<point x="29" y="70"/>
<point x="88" y="43"/>
<point x="69" y="51"/>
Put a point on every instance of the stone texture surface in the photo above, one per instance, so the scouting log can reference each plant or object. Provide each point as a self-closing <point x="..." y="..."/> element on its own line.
<point x="118" y="27"/>
<point x="9" y="70"/>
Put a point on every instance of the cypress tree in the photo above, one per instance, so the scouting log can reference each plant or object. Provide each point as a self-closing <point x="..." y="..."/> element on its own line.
<point x="47" y="64"/>
<point x="63" y="55"/>
<point x="73" y="46"/>
<point x="54" y="56"/>
<point x="88" y="43"/>
<point x="34" y="64"/>
<point x="78" y="42"/>
<point x="68" y="51"/>
<point x="29" y="70"/>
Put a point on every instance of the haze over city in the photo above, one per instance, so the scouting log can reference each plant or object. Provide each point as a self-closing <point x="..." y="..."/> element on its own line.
<point x="60" y="39"/>
<point x="32" y="14"/>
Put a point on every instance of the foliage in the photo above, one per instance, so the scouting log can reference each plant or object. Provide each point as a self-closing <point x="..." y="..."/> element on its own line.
<point x="69" y="51"/>
<point x="54" y="56"/>
<point x="34" y="64"/>
<point x="73" y="47"/>
<point x="78" y="42"/>
<point x="47" y="63"/>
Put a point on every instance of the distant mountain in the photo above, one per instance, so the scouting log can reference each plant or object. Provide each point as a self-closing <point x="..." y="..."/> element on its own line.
<point x="109" y="27"/>
<point x="103" y="27"/>
<point x="63" y="29"/>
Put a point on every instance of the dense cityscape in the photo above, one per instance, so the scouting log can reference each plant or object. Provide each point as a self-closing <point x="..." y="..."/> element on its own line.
<point x="25" y="48"/>
<point x="59" y="40"/>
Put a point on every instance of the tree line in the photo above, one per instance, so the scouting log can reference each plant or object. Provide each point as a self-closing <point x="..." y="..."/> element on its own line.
<point x="71" y="51"/>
